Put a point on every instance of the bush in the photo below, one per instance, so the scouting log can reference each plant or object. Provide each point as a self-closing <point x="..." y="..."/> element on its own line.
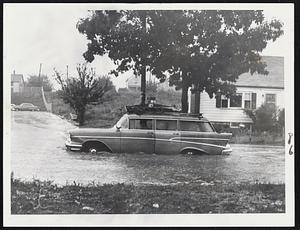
<point x="266" y="118"/>
<point x="281" y="118"/>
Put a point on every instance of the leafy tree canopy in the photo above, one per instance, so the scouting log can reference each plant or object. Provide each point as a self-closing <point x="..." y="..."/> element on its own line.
<point x="208" y="49"/>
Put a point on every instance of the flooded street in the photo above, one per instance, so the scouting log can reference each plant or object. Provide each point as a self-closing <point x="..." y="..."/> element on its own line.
<point x="38" y="151"/>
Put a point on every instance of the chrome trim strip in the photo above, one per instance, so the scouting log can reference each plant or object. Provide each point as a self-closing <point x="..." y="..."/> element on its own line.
<point x="173" y="138"/>
<point x="71" y="145"/>
<point x="105" y="137"/>
<point x="204" y="138"/>
<point x="153" y="139"/>
<point x="201" y="143"/>
<point x="194" y="148"/>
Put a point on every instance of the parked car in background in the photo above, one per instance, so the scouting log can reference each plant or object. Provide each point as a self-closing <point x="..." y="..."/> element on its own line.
<point x="27" y="107"/>
<point x="161" y="133"/>
<point x="12" y="107"/>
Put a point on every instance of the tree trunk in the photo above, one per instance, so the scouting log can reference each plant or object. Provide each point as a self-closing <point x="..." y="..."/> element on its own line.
<point x="184" y="97"/>
<point x="81" y="116"/>
<point x="197" y="101"/>
<point x="143" y="85"/>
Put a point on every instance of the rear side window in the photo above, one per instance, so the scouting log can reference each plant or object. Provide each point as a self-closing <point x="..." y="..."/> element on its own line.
<point x="195" y="126"/>
<point x="140" y="124"/>
<point x="166" y="124"/>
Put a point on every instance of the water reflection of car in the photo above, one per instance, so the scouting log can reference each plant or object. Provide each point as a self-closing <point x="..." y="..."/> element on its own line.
<point x="152" y="133"/>
<point x="27" y="107"/>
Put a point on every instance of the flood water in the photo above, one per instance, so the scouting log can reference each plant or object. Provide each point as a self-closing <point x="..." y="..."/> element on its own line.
<point x="38" y="151"/>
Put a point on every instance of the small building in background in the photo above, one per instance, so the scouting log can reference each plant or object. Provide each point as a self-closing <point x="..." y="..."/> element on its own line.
<point x="251" y="92"/>
<point x="17" y="83"/>
<point x="133" y="83"/>
<point x="165" y="86"/>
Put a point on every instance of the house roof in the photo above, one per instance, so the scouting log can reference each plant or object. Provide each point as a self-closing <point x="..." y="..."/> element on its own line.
<point x="17" y="78"/>
<point x="275" y="78"/>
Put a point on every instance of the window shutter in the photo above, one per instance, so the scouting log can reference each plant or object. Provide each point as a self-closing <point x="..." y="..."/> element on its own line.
<point x="218" y="100"/>
<point x="253" y="100"/>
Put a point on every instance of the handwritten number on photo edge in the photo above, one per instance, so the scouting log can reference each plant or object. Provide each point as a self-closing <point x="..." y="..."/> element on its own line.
<point x="290" y="138"/>
<point x="289" y="142"/>
<point x="290" y="151"/>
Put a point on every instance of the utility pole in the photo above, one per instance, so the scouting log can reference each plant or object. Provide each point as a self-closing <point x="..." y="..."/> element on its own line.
<point x="40" y="74"/>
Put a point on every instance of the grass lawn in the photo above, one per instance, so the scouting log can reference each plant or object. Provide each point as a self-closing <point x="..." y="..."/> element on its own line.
<point x="37" y="197"/>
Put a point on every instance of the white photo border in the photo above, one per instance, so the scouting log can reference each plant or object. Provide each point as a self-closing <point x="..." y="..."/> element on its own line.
<point x="213" y="220"/>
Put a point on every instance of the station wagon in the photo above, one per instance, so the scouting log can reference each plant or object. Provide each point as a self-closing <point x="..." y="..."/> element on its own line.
<point x="152" y="133"/>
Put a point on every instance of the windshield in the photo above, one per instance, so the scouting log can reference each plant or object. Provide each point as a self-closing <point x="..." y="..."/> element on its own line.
<point x="123" y="122"/>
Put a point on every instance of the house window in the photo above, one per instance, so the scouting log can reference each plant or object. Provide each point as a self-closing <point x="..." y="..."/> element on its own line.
<point x="224" y="102"/>
<point x="236" y="100"/>
<point x="271" y="99"/>
<point x="249" y="100"/>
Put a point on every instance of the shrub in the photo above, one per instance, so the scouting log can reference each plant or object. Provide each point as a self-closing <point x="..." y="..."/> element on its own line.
<point x="266" y="118"/>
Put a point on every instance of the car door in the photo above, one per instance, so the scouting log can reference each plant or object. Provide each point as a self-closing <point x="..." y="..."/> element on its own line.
<point x="200" y="135"/>
<point x="167" y="136"/>
<point x="139" y="137"/>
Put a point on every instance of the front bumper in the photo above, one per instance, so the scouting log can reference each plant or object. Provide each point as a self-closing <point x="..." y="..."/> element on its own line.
<point x="227" y="149"/>
<point x="73" y="145"/>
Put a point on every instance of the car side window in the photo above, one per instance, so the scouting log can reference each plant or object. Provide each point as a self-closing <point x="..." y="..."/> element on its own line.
<point x="166" y="124"/>
<point x="195" y="126"/>
<point x="140" y="124"/>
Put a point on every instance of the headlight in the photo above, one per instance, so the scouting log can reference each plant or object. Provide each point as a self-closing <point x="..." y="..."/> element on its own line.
<point x="227" y="146"/>
<point x="227" y="149"/>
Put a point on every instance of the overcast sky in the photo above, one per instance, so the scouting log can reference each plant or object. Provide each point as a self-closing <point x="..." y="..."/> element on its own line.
<point x="47" y="34"/>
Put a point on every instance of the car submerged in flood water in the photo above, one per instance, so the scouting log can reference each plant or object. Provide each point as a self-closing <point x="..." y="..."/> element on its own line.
<point x="151" y="132"/>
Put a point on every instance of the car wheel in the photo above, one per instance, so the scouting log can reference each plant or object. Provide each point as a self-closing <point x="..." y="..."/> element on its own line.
<point x="94" y="148"/>
<point x="192" y="152"/>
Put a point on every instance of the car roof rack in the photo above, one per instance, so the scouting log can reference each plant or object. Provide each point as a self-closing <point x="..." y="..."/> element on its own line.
<point x="158" y="109"/>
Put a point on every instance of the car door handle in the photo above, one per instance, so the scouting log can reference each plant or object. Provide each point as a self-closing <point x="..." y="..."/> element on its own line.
<point x="150" y="133"/>
<point x="177" y="134"/>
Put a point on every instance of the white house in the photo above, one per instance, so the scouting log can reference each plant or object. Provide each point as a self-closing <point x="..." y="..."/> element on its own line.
<point x="252" y="92"/>
<point x="17" y="83"/>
